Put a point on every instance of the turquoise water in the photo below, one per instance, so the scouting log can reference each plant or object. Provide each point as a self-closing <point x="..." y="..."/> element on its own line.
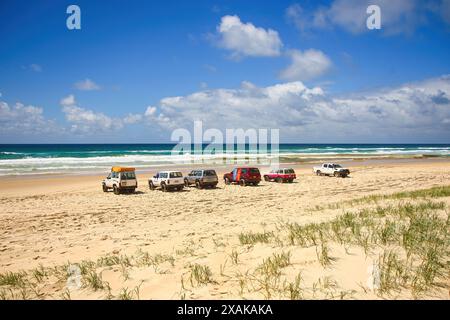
<point x="73" y="158"/>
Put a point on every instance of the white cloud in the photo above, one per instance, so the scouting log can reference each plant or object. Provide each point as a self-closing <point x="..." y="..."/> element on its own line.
<point x="87" y="85"/>
<point x="132" y="118"/>
<point x="306" y="65"/>
<point x="210" y="68"/>
<point x="86" y="121"/>
<point x="244" y="39"/>
<point x="21" y="120"/>
<point x="399" y="16"/>
<point x="35" y="67"/>
<point x="68" y="101"/>
<point x="418" y="110"/>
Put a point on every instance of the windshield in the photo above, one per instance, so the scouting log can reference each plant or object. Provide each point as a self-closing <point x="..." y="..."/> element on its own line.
<point x="337" y="166"/>
<point x="254" y="170"/>
<point x="289" y="171"/>
<point x="209" y="173"/>
<point x="176" y="175"/>
<point x="128" y="175"/>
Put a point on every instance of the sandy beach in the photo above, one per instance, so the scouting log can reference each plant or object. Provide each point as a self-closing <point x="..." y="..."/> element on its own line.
<point x="204" y="244"/>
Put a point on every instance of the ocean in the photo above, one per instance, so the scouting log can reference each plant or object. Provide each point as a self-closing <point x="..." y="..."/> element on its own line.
<point x="38" y="159"/>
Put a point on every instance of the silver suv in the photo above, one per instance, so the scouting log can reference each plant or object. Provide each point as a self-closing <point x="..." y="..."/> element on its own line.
<point x="202" y="178"/>
<point x="167" y="180"/>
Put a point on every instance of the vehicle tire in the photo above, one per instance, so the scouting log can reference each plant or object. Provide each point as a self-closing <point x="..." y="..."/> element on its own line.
<point x="214" y="186"/>
<point x="186" y="183"/>
<point x="279" y="180"/>
<point x="164" y="187"/>
<point x="255" y="183"/>
<point x="132" y="190"/>
<point x="336" y="174"/>
<point x="198" y="184"/>
<point x="227" y="181"/>
<point x="116" y="190"/>
<point x="318" y="173"/>
<point x="242" y="183"/>
<point x="105" y="189"/>
<point x="266" y="178"/>
<point x="290" y="181"/>
<point x="151" y="186"/>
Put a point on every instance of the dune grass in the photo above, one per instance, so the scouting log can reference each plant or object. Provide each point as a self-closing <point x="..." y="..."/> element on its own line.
<point x="434" y="192"/>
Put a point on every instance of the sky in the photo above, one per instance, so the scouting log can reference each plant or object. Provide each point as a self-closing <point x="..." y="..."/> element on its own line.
<point x="138" y="70"/>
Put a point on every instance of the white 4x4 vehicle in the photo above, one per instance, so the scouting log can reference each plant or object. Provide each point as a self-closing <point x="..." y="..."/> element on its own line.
<point x="167" y="180"/>
<point x="120" y="180"/>
<point x="331" y="169"/>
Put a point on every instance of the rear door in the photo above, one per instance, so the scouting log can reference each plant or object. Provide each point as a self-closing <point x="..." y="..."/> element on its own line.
<point x="208" y="176"/>
<point x="176" y="178"/>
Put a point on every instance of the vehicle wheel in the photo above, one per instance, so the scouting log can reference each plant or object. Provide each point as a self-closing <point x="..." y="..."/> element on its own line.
<point x="279" y="180"/>
<point x="186" y="183"/>
<point x="242" y="183"/>
<point x="116" y="190"/>
<point x="151" y="185"/>
<point x="266" y="178"/>
<point x="132" y="190"/>
<point x="290" y="180"/>
<point x="336" y="174"/>
<point x="227" y="181"/>
<point x="318" y="173"/>
<point x="255" y="183"/>
<point x="198" y="184"/>
<point x="105" y="189"/>
<point x="214" y="186"/>
<point x="164" y="187"/>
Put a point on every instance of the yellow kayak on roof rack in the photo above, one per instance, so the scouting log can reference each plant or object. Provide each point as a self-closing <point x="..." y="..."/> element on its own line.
<point x="122" y="169"/>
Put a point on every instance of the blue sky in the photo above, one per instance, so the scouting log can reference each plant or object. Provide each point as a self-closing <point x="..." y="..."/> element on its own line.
<point x="312" y="67"/>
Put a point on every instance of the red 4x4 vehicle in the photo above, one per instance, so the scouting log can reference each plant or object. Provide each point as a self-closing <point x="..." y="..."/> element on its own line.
<point x="281" y="175"/>
<point x="243" y="176"/>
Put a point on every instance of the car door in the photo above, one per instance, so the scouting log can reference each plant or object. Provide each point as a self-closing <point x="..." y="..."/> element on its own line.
<point x="108" y="181"/>
<point x="162" y="177"/>
<point x="155" y="179"/>
<point x="196" y="176"/>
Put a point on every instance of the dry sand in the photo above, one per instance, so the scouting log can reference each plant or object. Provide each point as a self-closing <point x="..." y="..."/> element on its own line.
<point x="50" y="221"/>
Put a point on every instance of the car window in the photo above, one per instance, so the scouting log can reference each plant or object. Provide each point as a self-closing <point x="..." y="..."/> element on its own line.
<point x="163" y="175"/>
<point x="208" y="173"/>
<point x="176" y="175"/>
<point x="127" y="175"/>
<point x="337" y="166"/>
<point x="289" y="171"/>
<point x="254" y="170"/>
